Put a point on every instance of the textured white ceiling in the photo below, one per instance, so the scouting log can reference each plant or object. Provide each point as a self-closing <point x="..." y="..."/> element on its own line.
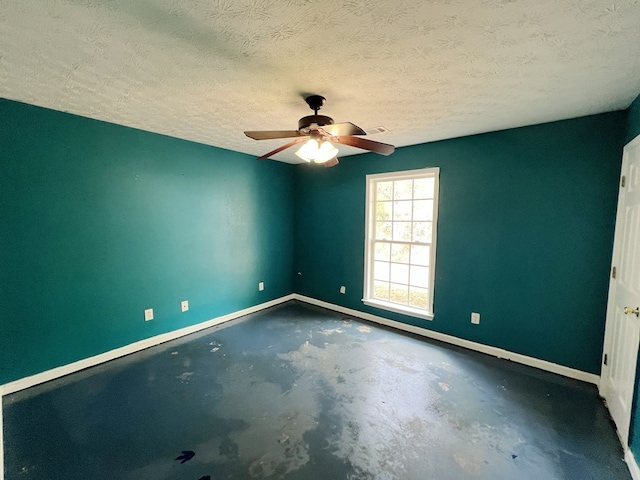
<point x="206" y="70"/>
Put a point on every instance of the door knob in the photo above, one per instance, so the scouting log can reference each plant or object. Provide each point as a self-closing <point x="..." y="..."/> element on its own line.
<point x="628" y="310"/>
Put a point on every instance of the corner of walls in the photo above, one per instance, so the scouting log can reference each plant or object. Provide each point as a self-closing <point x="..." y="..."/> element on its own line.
<point x="633" y="120"/>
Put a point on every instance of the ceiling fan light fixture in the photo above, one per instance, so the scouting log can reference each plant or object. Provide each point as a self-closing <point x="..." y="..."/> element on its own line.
<point x="311" y="151"/>
<point x="326" y="152"/>
<point x="308" y="149"/>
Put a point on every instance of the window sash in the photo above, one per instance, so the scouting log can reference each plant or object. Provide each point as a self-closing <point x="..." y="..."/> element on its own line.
<point x="408" y="294"/>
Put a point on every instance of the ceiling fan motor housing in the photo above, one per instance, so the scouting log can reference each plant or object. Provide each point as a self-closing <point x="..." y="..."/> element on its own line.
<point x="305" y="123"/>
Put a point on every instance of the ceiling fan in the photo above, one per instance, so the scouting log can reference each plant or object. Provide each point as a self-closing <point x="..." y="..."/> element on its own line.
<point x="320" y="133"/>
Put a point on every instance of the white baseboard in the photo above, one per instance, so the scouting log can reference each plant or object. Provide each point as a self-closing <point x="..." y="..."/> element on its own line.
<point x="631" y="463"/>
<point x="58" y="372"/>
<point x="478" y="347"/>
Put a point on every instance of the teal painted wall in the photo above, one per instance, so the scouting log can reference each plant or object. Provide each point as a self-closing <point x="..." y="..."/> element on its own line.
<point x="525" y="233"/>
<point x="99" y="222"/>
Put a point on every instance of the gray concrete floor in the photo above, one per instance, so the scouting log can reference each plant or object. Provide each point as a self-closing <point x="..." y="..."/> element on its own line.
<point x="298" y="392"/>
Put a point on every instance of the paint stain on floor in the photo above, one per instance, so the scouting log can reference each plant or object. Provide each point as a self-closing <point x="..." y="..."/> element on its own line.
<point x="296" y="393"/>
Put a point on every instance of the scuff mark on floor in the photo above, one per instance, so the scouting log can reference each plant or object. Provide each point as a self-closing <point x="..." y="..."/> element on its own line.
<point x="184" y="377"/>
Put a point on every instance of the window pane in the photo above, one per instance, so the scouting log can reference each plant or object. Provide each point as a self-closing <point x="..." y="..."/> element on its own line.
<point x="401" y="231"/>
<point x="422" y="232"/>
<point x="403" y="189"/>
<point x="381" y="290"/>
<point x="423" y="210"/>
<point x="401" y="221"/>
<point x="419" y="276"/>
<point x="419" y="297"/>
<point x="402" y="210"/>
<point x="382" y="250"/>
<point x="400" y="253"/>
<point x="399" y="293"/>
<point x="420" y="255"/>
<point x="423" y="188"/>
<point x="383" y="211"/>
<point x="399" y="273"/>
<point x="381" y="271"/>
<point x="383" y="230"/>
<point x="384" y="191"/>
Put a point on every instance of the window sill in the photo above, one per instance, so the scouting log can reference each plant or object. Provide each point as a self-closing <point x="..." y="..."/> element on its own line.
<point x="393" y="307"/>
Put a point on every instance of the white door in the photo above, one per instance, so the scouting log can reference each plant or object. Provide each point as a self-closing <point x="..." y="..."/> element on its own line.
<point x="623" y="319"/>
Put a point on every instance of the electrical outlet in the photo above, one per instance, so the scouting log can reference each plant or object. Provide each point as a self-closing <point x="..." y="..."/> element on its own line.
<point x="184" y="305"/>
<point x="475" y="318"/>
<point x="261" y="286"/>
<point x="148" y="314"/>
<point x="343" y="289"/>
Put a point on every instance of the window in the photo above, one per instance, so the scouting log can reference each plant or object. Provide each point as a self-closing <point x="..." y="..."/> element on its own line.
<point x="400" y="241"/>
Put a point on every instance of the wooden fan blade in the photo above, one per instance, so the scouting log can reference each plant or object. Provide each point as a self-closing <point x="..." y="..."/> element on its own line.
<point x="376" y="147"/>
<point x="346" y="128"/>
<point x="279" y="149"/>
<point x="331" y="163"/>
<point x="272" y="134"/>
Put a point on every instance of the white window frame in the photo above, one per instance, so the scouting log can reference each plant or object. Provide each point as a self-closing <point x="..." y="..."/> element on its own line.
<point x="370" y="229"/>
